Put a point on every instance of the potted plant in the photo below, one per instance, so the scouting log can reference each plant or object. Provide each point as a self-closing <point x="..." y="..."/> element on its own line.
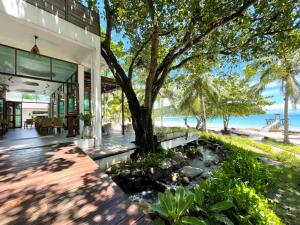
<point x="87" y="130"/>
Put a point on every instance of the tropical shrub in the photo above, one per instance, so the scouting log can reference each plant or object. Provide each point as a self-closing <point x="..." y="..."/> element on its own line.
<point x="216" y="202"/>
<point x="174" y="205"/>
<point x="148" y="160"/>
<point x="233" y="195"/>
<point x="243" y="166"/>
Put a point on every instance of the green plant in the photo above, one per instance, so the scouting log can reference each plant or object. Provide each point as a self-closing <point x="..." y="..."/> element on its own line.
<point x="241" y="165"/>
<point x="87" y="118"/>
<point x="145" y="161"/>
<point x="251" y="207"/>
<point x="172" y="206"/>
<point x="284" y="189"/>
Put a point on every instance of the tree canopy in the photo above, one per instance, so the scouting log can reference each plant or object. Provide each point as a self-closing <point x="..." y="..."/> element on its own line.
<point x="162" y="36"/>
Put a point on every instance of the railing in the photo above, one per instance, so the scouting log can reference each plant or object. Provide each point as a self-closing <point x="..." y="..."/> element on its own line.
<point x="72" y="11"/>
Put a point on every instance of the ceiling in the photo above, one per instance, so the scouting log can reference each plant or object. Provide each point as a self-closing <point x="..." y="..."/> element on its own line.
<point x="27" y="85"/>
<point x="52" y="45"/>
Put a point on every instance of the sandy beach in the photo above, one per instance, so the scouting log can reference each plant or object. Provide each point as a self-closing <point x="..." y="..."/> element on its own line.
<point x="251" y="132"/>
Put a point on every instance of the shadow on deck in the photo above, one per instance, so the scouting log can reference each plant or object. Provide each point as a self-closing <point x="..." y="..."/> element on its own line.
<point x="60" y="184"/>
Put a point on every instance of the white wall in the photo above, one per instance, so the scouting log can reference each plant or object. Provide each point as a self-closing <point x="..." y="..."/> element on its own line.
<point x="28" y="108"/>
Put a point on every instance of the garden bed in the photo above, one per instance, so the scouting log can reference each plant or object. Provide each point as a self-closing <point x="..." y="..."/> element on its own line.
<point x="142" y="179"/>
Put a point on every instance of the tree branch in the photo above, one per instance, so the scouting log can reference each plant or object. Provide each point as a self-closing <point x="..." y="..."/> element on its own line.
<point x="161" y="72"/>
<point x="154" y="55"/>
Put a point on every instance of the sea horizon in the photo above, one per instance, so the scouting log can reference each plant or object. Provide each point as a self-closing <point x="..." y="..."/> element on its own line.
<point x="251" y="121"/>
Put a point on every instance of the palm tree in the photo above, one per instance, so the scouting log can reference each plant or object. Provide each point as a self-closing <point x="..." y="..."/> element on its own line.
<point x="284" y="70"/>
<point x="194" y="102"/>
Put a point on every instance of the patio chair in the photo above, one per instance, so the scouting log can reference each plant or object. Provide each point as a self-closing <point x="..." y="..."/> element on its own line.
<point x="28" y="122"/>
<point x="58" y="124"/>
<point x="46" y="125"/>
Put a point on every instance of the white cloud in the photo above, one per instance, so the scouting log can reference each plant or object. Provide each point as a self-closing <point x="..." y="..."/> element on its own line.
<point x="280" y="107"/>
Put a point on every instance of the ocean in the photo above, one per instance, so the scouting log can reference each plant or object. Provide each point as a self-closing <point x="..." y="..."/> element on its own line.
<point x="252" y="121"/>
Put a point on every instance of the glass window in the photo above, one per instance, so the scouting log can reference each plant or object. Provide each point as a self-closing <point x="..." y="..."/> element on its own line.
<point x="86" y="105"/>
<point x="27" y="97"/>
<point x="71" y="104"/>
<point x="43" y="98"/>
<point x="7" y="59"/>
<point x="33" y="65"/>
<point x="62" y="71"/>
<point x="61" y="109"/>
<point x="1" y="109"/>
<point x="14" y="96"/>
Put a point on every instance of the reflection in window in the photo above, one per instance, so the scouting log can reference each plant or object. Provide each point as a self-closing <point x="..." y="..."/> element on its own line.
<point x="43" y="98"/>
<point x="27" y="97"/>
<point x="1" y="109"/>
<point x="14" y="96"/>
<point x="7" y="59"/>
<point x="62" y="71"/>
<point x="61" y="109"/>
<point x="33" y="65"/>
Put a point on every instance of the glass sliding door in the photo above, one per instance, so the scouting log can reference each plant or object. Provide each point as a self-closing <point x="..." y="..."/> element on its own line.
<point x="18" y="115"/>
<point x="10" y="114"/>
<point x="14" y="114"/>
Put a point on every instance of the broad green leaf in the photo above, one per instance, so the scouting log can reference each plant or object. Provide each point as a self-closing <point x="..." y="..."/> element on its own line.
<point x="160" y="210"/>
<point x="223" y="219"/>
<point x="221" y="206"/>
<point x="193" y="220"/>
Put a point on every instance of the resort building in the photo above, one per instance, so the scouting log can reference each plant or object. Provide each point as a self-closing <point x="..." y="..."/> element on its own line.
<point x="50" y="53"/>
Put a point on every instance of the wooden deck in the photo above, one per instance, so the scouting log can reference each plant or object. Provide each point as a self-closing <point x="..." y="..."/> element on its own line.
<point x="60" y="185"/>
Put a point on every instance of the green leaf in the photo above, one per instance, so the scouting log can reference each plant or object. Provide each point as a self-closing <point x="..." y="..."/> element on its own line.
<point x="221" y="206"/>
<point x="199" y="195"/>
<point x="159" y="222"/>
<point x="223" y="219"/>
<point x="192" y="220"/>
<point x="160" y="210"/>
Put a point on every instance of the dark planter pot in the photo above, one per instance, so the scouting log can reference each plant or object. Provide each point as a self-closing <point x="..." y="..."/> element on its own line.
<point x="87" y="123"/>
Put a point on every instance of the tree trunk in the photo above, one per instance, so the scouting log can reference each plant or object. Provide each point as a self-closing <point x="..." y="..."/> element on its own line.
<point x="143" y="127"/>
<point x="203" y="109"/>
<point x="186" y="123"/>
<point x="286" y="116"/>
<point x="225" y="122"/>
<point x="198" y="126"/>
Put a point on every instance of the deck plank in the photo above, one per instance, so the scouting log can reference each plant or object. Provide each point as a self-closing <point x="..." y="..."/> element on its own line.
<point x="60" y="185"/>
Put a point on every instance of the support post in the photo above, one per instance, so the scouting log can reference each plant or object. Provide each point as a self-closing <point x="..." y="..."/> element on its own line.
<point x="81" y="94"/>
<point x="96" y="96"/>
<point x="123" y="117"/>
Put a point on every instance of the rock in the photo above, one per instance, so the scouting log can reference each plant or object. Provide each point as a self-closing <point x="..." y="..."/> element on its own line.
<point x="177" y="163"/>
<point x="185" y="181"/>
<point x="193" y="152"/>
<point x="124" y="173"/>
<point x="215" y="162"/>
<point x="206" y="174"/>
<point x="137" y="172"/>
<point x="175" y="177"/>
<point x="166" y="164"/>
<point x="207" y="163"/>
<point x="155" y="173"/>
<point x="109" y="170"/>
<point x="268" y="161"/>
<point x="190" y="171"/>
<point x="179" y="156"/>
<point x="131" y="184"/>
